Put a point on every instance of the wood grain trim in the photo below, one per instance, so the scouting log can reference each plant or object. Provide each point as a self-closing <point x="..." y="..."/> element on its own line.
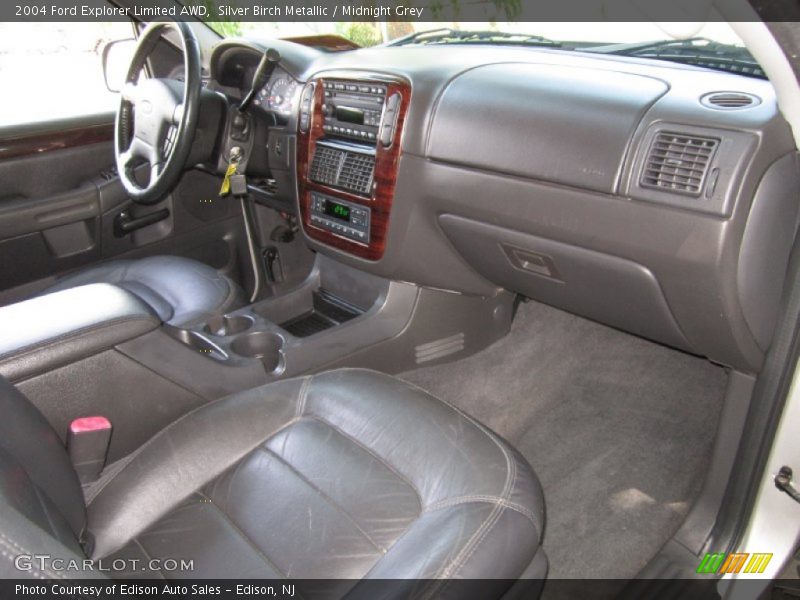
<point x="387" y="162"/>
<point x="40" y="143"/>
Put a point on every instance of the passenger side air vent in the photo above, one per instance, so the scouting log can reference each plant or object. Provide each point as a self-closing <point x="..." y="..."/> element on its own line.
<point x="729" y="100"/>
<point x="356" y="173"/>
<point x="678" y="163"/>
<point x="352" y="171"/>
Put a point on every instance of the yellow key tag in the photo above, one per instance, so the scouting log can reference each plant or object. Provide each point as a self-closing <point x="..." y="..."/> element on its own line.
<point x="226" y="181"/>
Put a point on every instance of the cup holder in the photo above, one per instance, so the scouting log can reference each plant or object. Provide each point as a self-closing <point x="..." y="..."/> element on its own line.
<point x="265" y="345"/>
<point x="224" y="325"/>
<point x="198" y="342"/>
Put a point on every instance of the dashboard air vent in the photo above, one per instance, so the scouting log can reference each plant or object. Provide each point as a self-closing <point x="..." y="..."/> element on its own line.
<point x="729" y="100"/>
<point x="352" y="171"/>
<point x="357" y="171"/>
<point x="326" y="164"/>
<point x="678" y="163"/>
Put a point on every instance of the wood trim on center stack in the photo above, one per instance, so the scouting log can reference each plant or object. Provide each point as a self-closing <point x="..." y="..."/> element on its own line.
<point x="387" y="160"/>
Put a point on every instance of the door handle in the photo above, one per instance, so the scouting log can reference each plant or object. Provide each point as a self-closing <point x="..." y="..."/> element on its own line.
<point x="124" y="223"/>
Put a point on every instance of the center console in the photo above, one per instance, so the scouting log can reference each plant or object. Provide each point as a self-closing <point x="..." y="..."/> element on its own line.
<point x="47" y="332"/>
<point x="349" y="138"/>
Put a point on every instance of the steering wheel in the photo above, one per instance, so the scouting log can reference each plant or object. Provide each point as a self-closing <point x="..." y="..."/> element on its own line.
<point x="157" y="118"/>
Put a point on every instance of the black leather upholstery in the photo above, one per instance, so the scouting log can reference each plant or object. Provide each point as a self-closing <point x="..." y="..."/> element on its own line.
<point x="43" y="333"/>
<point x="348" y="474"/>
<point x="181" y="291"/>
<point x="36" y="475"/>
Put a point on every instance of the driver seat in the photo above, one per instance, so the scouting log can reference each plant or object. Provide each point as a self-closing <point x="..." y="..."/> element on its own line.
<point x="181" y="291"/>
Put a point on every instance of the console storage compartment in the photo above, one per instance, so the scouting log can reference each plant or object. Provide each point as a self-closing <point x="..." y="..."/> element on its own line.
<point x="334" y="295"/>
<point x="327" y="311"/>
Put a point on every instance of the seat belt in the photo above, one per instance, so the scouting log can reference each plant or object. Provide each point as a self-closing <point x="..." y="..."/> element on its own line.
<point x="88" y="439"/>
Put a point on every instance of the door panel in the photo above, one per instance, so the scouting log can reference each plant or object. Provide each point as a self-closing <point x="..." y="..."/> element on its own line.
<point x="49" y="202"/>
<point x="68" y="134"/>
<point x="20" y="215"/>
<point x="60" y="197"/>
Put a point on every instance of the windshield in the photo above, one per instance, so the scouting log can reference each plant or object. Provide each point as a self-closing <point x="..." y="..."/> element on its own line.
<point x="713" y="45"/>
<point x="373" y="33"/>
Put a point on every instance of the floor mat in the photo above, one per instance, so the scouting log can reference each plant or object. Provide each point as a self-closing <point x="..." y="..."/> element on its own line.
<point x="618" y="429"/>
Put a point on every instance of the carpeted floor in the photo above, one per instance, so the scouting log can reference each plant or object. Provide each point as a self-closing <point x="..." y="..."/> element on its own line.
<point x="618" y="429"/>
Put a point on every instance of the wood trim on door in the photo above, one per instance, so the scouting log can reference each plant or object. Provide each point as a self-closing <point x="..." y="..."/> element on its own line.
<point x="39" y="143"/>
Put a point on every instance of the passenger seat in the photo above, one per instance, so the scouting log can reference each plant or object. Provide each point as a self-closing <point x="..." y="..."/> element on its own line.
<point x="349" y="475"/>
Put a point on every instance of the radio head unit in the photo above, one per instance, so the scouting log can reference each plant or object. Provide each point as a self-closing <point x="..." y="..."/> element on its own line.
<point x="353" y="110"/>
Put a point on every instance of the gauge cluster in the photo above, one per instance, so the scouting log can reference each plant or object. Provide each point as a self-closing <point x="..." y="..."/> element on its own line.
<point x="233" y="67"/>
<point x="279" y="94"/>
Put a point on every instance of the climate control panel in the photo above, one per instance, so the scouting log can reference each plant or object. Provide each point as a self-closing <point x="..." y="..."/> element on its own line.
<point x="341" y="217"/>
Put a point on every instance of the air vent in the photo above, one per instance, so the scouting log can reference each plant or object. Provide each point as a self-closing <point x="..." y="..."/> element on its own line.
<point x="356" y="173"/>
<point x="326" y="164"/>
<point x="351" y="171"/>
<point x="678" y="163"/>
<point x="729" y="100"/>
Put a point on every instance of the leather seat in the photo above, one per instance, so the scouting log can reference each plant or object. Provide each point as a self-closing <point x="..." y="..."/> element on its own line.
<point x="181" y="291"/>
<point x="346" y="475"/>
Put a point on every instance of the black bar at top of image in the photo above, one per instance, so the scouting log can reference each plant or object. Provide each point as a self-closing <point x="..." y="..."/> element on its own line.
<point x="400" y="10"/>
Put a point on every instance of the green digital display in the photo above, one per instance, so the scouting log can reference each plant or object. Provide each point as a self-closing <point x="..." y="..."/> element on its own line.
<point x="338" y="211"/>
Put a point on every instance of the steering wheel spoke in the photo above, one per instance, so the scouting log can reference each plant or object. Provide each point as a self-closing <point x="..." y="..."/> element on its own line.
<point x="157" y="118"/>
<point x="139" y="150"/>
<point x="177" y="114"/>
<point x="130" y="92"/>
<point x="128" y="159"/>
<point x="156" y="169"/>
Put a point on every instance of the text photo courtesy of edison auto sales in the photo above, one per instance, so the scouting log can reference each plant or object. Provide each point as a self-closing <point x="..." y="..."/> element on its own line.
<point x="74" y="590"/>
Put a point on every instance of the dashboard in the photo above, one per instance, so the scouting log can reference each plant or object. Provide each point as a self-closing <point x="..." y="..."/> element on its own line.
<point x="232" y="74"/>
<point x="280" y="94"/>
<point x="656" y="198"/>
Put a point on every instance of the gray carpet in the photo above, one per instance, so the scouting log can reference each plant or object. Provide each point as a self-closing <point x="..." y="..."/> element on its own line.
<point x="618" y="429"/>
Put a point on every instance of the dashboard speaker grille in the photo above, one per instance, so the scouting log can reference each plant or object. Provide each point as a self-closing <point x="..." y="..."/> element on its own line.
<point x="350" y="171"/>
<point x="678" y="163"/>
